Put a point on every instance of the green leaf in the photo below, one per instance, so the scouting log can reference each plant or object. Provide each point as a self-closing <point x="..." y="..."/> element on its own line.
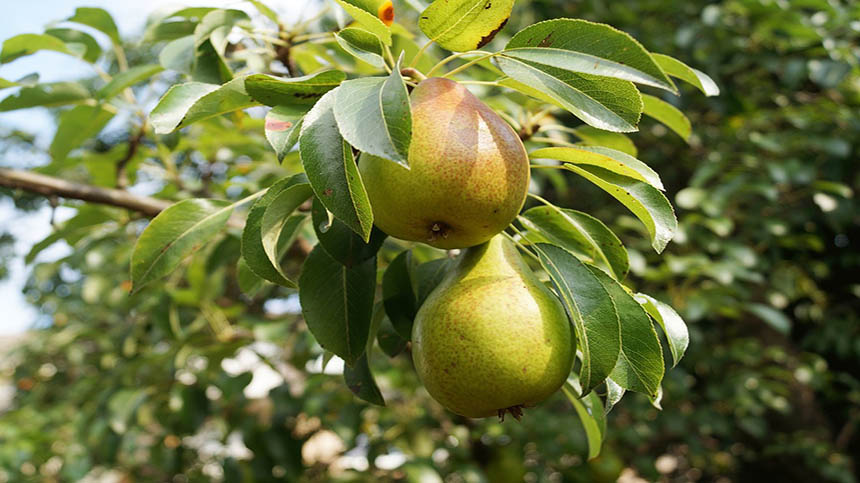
<point x="128" y="78"/>
<point x="390" y="341"/>
<point x="275" y="91"/>
<point x="429" y="275"/>
<point x="330" y="165"/>
<point x="215" y="26"/>
<point x="668" y="114"/>
<point x="373" y="114"/>
<point x="27" y="44"/>
<point x="337" y="303"/>
<point x="590" y="308"/>
<point x="368" y="21"/>
<point x="283" y="125"/>
<point x="592" y="136"/>
<point x="276" y="217"/>
<point x="249" y="282"/>
<point x="363" y="45"/>
<point x="676" y="68"/>
<point x="671" y="323"/>
<point x="772" y="317"/>
<point x="253" y="251"/>
<point x="589" y="48"/>
<point x="343" y="244"/>
<point x="98" y="19"/>
<point x="188" y="103"/>
<point x="578" y="232"/>
<point x="614" y="393"/>
<point x="642" y="199"/>
<point x="76" y="126"/>
<point x="462" y="25"/>
<point x="398" y="294"/>
<point x="46" y="95"/>
<point x="606" y="158"/>
<point x="358" y="377"/>
<point x="174" y="234"/>
<point x="5" y="84"/>
<point x="77" y="41"/>
<point x="360" y="381"/>
<point x="265" y="10"/>
<point x="209" y="66"/>
<point x="609" y="104"/>
<point x="591" y="415"/>
<point x="640" y="362"/>
<point x="85" y="220"/>
<point x="178" y="55"/>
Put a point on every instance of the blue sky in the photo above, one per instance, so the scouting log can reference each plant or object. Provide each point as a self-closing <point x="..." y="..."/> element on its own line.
<point x="33" y="17"/>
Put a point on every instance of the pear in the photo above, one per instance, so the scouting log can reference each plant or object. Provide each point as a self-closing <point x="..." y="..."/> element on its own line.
<point x="468" y="172"/>
<point x="491" y="338"/>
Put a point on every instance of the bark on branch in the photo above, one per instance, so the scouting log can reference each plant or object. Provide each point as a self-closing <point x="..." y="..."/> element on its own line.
<point x="52" y="186"/>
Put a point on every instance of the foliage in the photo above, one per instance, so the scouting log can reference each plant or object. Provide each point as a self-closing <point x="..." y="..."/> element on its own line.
<point x="165" y="380"/>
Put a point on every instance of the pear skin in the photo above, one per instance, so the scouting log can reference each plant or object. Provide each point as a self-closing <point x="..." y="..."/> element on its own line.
<point x="468" y="172"/>
<point x="491" y="338"/>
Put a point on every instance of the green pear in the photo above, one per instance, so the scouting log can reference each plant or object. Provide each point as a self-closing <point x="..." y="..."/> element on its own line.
<point x="468" y="172"/>
<point x="491" y="338"/>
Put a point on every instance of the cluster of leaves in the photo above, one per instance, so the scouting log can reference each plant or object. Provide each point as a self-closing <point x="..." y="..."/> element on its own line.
<point x="148" y="419"/>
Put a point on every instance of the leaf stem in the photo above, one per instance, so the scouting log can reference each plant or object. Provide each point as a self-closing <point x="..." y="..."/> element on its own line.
<point x="470" y="64"/>
<point x="520" y="245"/>
<point x="420" y="53"/>
<point x="542" y="139"/>
<point x="453" y="57"/>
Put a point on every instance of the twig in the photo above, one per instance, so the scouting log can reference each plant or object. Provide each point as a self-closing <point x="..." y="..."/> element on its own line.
<point x="133" y="144"/>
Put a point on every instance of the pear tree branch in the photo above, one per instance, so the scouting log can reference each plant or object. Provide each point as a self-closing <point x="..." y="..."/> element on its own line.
<point x="51" y="186"/>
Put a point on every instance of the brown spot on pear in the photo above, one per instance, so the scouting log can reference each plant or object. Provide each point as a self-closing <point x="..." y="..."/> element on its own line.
<point x="504" y="362"/>
<point x="468" y="171"/>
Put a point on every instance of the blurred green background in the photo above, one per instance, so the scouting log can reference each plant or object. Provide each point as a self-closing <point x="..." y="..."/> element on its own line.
<point x="764" y="270"/>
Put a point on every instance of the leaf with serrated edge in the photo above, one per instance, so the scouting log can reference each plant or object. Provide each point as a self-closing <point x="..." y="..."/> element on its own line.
<point x="576" y="231"/>
<point x="589" y="306"/>
<point x="276" y="216"/>
<point x="610" y="104"/>
<point x="331" y="169"/>
<point x="589" y="48"/>
<point x="368" y="21"/>
<point x="253" y="253"/>
<point x="606" y="158"/>
<point x="462" y="25"/>
<point x="283" y="125"/>
<point x="643" y="200"/>
<point x="173" y="235"/>
<point x="672" y="324"/>
<point x="640" y="363"/>
<point x="373" y="114"/>
<point x="362" y="45"/>
<point x="337" y="303"/>
<point x="277" y="91"/>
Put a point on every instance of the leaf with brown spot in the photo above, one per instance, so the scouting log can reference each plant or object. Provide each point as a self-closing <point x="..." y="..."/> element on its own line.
<point x="463" y="25"/>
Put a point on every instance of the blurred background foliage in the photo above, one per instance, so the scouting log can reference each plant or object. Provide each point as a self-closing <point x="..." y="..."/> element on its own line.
<point x="194" y="379"/>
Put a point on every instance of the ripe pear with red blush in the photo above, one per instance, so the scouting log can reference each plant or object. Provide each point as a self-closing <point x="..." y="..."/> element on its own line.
<point x="468" y="172"/>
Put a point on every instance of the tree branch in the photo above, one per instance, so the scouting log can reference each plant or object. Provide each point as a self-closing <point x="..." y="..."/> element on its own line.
<point x="51" y="186"/>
